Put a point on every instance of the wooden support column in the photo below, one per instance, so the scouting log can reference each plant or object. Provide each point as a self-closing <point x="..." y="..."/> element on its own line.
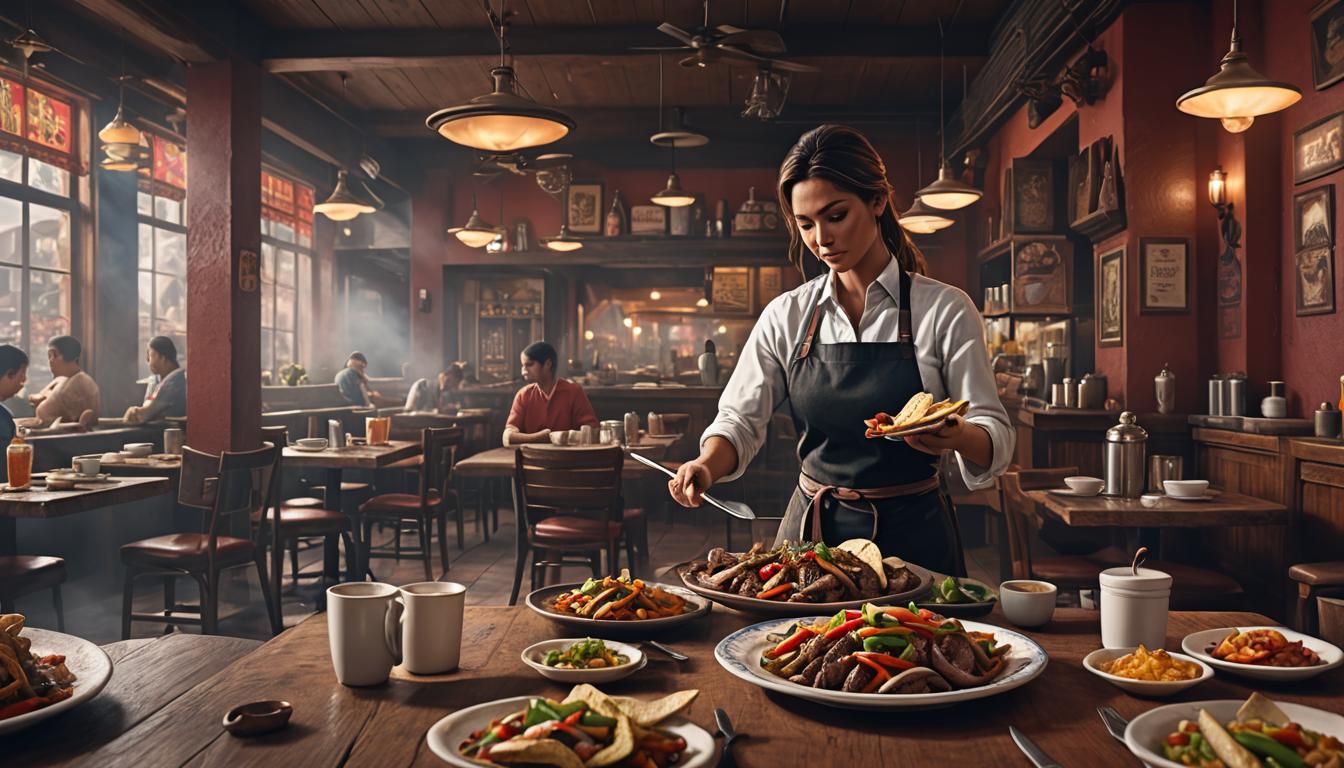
<point x="223" y="255"/>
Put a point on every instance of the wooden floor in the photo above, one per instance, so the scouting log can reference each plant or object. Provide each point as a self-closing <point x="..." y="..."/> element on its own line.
<point x="486" y="568"/>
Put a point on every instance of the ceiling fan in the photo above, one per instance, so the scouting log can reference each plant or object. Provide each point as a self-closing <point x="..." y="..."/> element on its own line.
<point x="493" y="165"/>
<point x="728" y="44"/>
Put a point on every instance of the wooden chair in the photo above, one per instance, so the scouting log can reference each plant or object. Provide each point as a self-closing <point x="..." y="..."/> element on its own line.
<point x="568" y="502"/>
<point x="436" y="496"/>
<point x="1331" y="627"/>
<point x="1192" y="587"/>
<point x="1314" y="580"/>
<point x="25" y="574"/>
<point x="221" y="487"/>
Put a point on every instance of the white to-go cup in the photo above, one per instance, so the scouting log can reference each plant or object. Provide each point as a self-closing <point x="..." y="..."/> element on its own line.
<point x="364" y="629"/>
<point x="431" y="629"/>
<point x="1134" y="606"/>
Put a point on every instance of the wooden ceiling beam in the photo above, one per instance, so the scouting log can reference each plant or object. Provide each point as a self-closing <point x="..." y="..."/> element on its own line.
<point x="309" y="50"/>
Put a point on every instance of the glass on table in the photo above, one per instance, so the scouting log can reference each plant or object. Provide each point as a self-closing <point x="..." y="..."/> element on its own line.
<point x="19" y="463"/>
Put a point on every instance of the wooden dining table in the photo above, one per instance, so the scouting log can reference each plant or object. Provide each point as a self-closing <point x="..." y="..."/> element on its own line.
<point x="1222" y="509"/>
<point x="38" y="502"/>
<point x="166" y="699"/>
<point x="499" y="462"/>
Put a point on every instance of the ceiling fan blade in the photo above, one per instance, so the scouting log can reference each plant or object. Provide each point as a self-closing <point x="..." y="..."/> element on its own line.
<point x="792" y="66"/>
<point x="762" y="41"/>
<point x="673" y="30"/>
<point x="661" y="48"/>
<point x="733" y="52"/>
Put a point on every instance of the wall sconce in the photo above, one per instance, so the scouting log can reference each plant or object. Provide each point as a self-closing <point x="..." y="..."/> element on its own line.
<point x="1218" y="190"/>
<point x="422" y="300"/>
<point x="1229" y="266"/>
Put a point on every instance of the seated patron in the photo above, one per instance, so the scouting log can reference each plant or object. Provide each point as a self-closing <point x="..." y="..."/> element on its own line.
<point x="353" y="383"/>
<point x="547" y="403"/>
<point x="70" y="393"/>
<point x="440" y="396"/>
<point x="167" y="394"/>
<point x="13" y="375"/>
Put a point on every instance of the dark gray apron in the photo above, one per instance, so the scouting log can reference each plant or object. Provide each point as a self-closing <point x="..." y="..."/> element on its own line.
<point x="832" y="388"/>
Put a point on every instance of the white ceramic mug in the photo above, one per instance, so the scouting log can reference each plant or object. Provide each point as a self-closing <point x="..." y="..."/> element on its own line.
<point x="431" y="629"/>
<point x="1027" y="602"/>
<point x="87" y="465"/>
<point x="363" y="627"/>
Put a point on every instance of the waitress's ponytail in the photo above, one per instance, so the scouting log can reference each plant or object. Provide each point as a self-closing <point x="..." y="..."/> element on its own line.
<point x="846" y="158"/>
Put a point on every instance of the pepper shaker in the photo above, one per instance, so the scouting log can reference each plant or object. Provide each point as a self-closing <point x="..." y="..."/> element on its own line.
<point x="1165" y="382"/>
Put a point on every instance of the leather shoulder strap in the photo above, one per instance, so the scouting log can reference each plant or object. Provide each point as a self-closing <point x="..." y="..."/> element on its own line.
<point x="805" y="347"/>
<point x="904" y="336"/>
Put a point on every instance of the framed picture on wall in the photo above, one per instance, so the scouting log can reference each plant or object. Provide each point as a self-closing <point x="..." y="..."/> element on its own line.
<point x="648" y="220"/>
<point x="1315" y="282"/>
<point x="771" y="284"/>
<point x="1164" y="275"/>
<point x="1314" y="217"/>
<point x="1318" y="149"/>
<point x="1327" y="43"/>
<point x="1033" y="196"/>
<point x="1111" y="298"/>
<point x="731" y="294"/>
<point x="1041" y="270"/>
<point x="585" y="207"/>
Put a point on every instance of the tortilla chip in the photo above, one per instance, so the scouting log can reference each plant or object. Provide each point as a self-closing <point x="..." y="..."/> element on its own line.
<point x="535" y="752"/>
<point x="868" y="553"/>
<point x="1259" y="707"/>
<point x="622" y="739"/>
<point x="1224" y="746"/>
<point x="646" y="714"/>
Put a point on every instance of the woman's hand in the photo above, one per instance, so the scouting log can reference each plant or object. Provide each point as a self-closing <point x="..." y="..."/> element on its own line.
<point x="692" y="480"/>
<point x="957" y="434"/>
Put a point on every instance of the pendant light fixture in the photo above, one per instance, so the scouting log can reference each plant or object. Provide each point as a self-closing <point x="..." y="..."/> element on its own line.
<point x="919" y="218"/>
<point x="1237" y="94"/>
<point x="341" y="204"/>
<point x="501" y="121"/>
<point x="124" y="147"/>
<point x="553" y="177"/>
<point x="476" y="233"/>
<point x="673" y="196"/>
<point x="947" y="193"/>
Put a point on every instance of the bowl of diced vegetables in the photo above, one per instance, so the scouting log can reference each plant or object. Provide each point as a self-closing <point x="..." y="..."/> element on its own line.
<point x="961" y="598"/>
<point x="584" y="660"/>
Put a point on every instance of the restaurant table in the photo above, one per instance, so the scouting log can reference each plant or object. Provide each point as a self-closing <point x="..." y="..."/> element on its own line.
<point x="335" y="461"/>
<point x="140" y="720"/>
<point x="1227" y="508"/>
<point x="159" y="463"/>
<point x="38" y="502"/>
<point x="499" y="462"/>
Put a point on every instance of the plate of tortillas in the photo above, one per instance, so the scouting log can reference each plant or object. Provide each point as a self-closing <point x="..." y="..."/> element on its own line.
<point x="921" y="414"/>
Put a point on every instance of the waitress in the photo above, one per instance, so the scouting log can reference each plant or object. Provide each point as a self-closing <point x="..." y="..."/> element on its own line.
<point x="864" y="337"/>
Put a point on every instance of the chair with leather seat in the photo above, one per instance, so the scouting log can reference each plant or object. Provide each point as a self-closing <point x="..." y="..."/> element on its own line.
<point x="1315" y="580"/>
<point x="1192" y="587"/>
<point x="436" y="496"/>
<point x="568" y="503"/>
<point x="25" y="574"/>
<point x="233" y="485"/>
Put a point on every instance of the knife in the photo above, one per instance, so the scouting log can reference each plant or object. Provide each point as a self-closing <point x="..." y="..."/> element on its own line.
<point x="1034" y="753"/>
<point x="735" y="508"/>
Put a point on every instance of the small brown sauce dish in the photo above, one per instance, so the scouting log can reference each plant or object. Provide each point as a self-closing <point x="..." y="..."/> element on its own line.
<point x="258" y="717"/>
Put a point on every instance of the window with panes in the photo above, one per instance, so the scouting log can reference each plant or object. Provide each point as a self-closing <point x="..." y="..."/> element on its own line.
<point x="286" y="272"/>
<point x="41" y="160"/>
<point x="161" y="206"/>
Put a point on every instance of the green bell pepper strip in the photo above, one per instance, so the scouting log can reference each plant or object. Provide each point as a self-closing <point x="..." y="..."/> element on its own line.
<point x="1267" y="747"/>
<point x="884" y="643"/>
<point x="591" y="587"/>
<point x="593" y="719"/>
<point x="823" y="552"/>
<point x="908" y="654"/>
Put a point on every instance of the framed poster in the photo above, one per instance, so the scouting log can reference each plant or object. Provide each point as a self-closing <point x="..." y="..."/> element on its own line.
<point x="1033" y="196"/>
<point x="1041" y="269"/>
<point x="732" y="290"/>
<point x="648" y="220"/>
<point x="1314" y="217"/>
<point x="771" y="283"/>
<point x="1315" y="292"/>
<point x="585" y="208"/>
<point x="1327" y="44"/>
<point x="1318" y="149"/>
<point x="1111" y="298"/>
<point x="1164" y="275"/>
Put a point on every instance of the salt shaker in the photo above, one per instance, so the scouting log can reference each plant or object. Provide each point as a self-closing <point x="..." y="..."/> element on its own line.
<point x="1165" y="382"/>
<point x="632" y="428"/>
<point x="1134" y="603"/>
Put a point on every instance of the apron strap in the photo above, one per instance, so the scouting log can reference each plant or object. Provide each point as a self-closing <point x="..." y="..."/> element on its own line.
<point x="805" y="348"/>
<point x="904" y="337"/>
<point x="842" y="495"/>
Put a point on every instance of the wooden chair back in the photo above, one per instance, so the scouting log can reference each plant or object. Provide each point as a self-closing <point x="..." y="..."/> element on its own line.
<point x="1019" y="510"/>
<point x="440" y="446"/>
<point x="407" y="426"/>
<point x="277" y="436"/>
<point x="551" y="480"/>
<point x="1331" y="612"/>
<point x="237" y="486"/>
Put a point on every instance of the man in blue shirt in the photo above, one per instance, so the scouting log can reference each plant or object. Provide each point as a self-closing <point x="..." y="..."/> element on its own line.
<point x="13" y="375"/>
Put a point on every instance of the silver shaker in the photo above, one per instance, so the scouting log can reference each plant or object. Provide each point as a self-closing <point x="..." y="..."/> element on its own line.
<point x="1124" y="458"/>
<point x="1070" y="392"/>
<point x="632" y="428"/>
<point x="1234" y="395"/>
<point x="1165" y="382"/>
<point x="1216" y="404"/>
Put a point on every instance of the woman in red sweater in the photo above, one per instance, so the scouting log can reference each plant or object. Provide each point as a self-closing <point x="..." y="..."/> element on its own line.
<point x="547" y="403"/>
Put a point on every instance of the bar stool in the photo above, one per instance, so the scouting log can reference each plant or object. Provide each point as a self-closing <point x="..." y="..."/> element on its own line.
<point x="568" y="503"/>
<point x="24" y="574"/>
<point x="1315" y="580"/>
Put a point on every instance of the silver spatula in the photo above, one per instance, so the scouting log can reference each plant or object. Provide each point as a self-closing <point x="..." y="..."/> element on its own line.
<point x="735" y="508"/>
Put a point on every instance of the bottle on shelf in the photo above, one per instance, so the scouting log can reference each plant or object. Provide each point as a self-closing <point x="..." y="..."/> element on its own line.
<point x="616" y="218"/>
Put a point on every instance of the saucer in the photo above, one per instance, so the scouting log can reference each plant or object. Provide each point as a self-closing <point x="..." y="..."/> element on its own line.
<point x="1072" y="493"/>
<point x="1207" y="496"/>
<point x="77" y="477"/>
<point x="309" y="448"/>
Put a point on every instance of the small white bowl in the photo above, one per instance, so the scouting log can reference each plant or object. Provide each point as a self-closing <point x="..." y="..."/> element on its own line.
<point x="1185" y="488"/>
<point x="311" y="442"/>
<point x="1093" y="661"/>
<point x="533" y="655"/>
<point x="138" y="450"/>
<point x="1150" y="499"/>
<point x="1084" y="485"/>
<point x="1027" y="609"/>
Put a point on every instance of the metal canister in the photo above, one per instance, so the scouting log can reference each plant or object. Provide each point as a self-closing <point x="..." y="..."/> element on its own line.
<point x="1092" y="391"/>
<point x="1328" y="421"/>
<point x="617" y="428"/>
<point x="632" y="428"/>
<point x="1216" y="406"/>
<point x="1123" y="460"/>
<point x="1234" y="399"/>
<point x="1070" y="392"/>
<point x="1165" y="382"/>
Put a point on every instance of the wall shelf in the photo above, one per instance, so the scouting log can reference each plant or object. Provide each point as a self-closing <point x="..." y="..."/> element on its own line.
<point x="639" y="252"/>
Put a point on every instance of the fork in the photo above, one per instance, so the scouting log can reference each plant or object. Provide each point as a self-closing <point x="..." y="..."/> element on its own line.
<point x="1115" y="724"/>
<point x="668" y="651"/>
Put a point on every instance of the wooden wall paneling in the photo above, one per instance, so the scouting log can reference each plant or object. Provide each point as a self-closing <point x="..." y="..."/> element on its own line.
<point x="1317" y="484"/>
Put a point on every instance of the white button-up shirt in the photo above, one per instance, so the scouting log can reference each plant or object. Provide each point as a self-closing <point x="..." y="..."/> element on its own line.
<point x="949" y="348"/>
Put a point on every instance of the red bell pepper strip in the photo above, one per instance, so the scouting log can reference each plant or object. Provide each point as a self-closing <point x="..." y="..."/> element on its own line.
<point x="881" y="675"/>
<point x="1289" y="735"/>
<point x="574" y="717"/>
<point x="885" y="660"/>
<point x="845" y="628"/>
<point x="906" y="616"/>
<point x="926" y="614"/>
<point x="768" y="570"/>
<point x="791" y="643"/>
<point x="774" y="592"/>
<point x="851" y="615"/>
<point x="870" y="631"/>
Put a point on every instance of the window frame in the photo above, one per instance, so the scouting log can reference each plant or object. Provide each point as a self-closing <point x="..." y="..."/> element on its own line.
<point x="152" y="220"/>
<point x="299" y="252"/>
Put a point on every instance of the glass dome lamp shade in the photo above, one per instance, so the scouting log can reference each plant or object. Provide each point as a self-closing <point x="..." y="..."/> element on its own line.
<point x="476" y="233"/>
<point x="501" y="121"/>
<point x="564" y="242"/>
<point x="119" y="131"/>
<point x="341" y="204"/>
<point x="948" y="194"/>
<point x="923" y="220"/>
<point x="673" y="196"/>
<point x="1237" y="94"/>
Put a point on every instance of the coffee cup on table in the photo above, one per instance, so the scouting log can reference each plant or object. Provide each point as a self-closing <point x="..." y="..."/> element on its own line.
<point x="87" y="465"/>
<point x="431" y="629"/>
<point x="364" y="631"/>
<point x="1028" y="602"/>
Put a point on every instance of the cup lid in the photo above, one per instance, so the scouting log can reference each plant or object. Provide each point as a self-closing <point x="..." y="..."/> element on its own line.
<point x="1146" y="579"/>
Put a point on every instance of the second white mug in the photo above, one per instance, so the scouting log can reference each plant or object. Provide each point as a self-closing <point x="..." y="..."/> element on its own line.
<point x="431" y="631"/>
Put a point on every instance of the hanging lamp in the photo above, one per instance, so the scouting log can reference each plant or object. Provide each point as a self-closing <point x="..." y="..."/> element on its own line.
<point x="342" y="204"/>
<point x="672" y="195"/>
<point x="501" y="121"/>
<point x="476" y="233"/>
<point x="919" y="218"/>
<point x="564" y="241"/>
<point x="122" y="142"/>
<point x="1237" y="94"/>
<point x="554" y="179"/>
<point x="947" y="193"/>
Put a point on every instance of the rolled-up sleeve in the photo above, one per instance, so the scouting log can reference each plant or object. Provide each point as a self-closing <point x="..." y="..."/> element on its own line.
<point x="754" y="391"/>
<point x="967" y="375"/>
